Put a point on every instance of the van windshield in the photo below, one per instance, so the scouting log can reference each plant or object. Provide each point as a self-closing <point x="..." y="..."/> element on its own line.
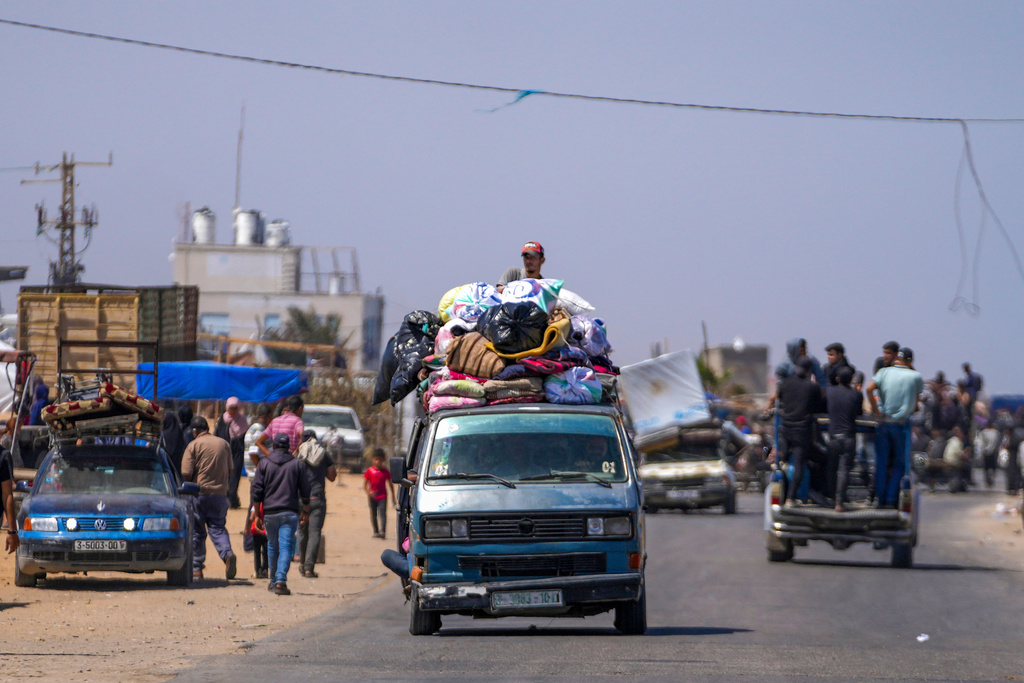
<point x="525" y="447"/>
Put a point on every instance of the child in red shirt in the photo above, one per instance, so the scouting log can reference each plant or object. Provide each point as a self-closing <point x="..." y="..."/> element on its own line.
<point x="254" y="522"/>
<point x="377" y="481"/>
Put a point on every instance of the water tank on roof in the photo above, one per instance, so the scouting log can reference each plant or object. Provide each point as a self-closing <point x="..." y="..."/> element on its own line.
<point x="248" y="228"/>
<point x="204" y="226"/>
<point x="278" y="233"/>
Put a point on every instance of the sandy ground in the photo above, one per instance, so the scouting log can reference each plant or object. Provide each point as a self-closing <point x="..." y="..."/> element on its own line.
<point x="109" y="626"/>
<point x="126" y="627"/>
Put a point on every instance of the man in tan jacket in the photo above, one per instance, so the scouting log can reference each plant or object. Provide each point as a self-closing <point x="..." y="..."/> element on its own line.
<point x="207" y="462"/>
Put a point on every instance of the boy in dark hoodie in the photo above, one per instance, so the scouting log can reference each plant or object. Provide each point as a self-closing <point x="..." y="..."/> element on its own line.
<point x="281" y="485"/>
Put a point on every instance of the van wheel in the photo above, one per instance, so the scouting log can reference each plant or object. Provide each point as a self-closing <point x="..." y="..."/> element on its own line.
<point x="422" y="622"/>
<point x="23" y="580"/>
<point x="631" y="617"/>
<point x="903" y="556"/>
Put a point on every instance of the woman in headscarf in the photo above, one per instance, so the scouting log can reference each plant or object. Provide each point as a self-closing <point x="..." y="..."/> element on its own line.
<point x="231" y="427"/>
<point x="172" y="437"/>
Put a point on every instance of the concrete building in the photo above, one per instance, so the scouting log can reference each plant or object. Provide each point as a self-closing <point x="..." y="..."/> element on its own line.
<point x="246" y="287"/>
<point x="748" y="364"/>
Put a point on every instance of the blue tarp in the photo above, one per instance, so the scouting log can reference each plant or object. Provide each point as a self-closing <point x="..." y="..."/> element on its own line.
<point x="206" y="380"/>
<point x="1011" y="402"/>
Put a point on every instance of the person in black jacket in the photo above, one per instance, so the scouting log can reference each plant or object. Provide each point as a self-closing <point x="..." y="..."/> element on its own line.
<point x="800" y="398"/>
<point x="281" y="485"/>
<point x="845" y="405"/>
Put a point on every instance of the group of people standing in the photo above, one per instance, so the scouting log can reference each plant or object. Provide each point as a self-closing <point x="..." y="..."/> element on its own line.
<point x="807" y="389"/>
<point x="287" y="494"/>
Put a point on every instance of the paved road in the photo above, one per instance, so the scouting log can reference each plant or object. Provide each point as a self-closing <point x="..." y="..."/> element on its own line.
<point x="718" y="611"/>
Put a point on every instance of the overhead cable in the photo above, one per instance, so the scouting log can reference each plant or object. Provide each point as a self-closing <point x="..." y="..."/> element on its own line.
<point x="520" y="92"/>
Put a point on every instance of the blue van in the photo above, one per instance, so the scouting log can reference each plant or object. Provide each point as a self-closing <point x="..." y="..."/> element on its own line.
<point x="523" y="510"/>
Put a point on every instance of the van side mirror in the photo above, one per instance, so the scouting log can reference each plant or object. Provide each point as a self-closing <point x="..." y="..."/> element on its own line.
<point x="399" y="471"/>
<point x="189" y="488"/>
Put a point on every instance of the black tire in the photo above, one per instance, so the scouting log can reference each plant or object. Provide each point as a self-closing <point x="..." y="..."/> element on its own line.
<point x="729" y="508"/>
<point x="780" y="554"/>
<point x="22" y="579"/>
<point x="903" y="556"/>
<point x="182" y="577"/>
<point x="631" y="617"/>
<point x="653" y="509"/>
<point x="422" y="622"/>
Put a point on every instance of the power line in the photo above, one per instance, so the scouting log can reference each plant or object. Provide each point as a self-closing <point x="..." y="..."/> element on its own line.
<point x="519" y="92"/>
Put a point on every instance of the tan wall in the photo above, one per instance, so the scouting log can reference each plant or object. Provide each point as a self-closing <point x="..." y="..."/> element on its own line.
<point x="229" y="268"/>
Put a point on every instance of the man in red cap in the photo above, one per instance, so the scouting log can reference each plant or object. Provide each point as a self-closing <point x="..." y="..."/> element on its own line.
<point x="533" y="258"/>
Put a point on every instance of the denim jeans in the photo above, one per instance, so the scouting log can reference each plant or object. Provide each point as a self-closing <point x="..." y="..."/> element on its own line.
<point x="281" y="527"/>
<point x="892" y="452"/>
<point x="210" y="513"/>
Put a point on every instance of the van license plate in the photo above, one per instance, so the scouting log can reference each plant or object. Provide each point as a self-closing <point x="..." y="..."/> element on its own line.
<point x="107" y="546"/>
<point x="526" y="599"/>
<point x="684" y="494"/>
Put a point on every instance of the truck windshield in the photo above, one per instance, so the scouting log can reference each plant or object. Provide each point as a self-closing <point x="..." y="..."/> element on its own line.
<point x="312" y="417"/>
<point x="95" y="471"/>
<point x="527" y="447"/>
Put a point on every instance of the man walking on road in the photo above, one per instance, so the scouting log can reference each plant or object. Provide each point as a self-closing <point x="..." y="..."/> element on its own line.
<point x="207" y="462"/>
<point x="898" y="389"/>
<point x="319" y="468"/>
<point x="281" y="485"/>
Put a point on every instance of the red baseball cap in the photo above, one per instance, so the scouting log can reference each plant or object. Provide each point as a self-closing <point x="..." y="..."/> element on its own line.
<point x="534" y="247"/>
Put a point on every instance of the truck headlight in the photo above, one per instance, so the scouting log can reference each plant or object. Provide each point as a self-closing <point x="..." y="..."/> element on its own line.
<point x="40" y="524"/>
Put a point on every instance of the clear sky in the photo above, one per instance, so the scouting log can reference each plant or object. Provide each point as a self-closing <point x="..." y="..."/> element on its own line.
<point x="763" y="226"/>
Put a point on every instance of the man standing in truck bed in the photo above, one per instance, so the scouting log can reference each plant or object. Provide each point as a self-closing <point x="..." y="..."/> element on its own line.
<point x="898" y="389"/>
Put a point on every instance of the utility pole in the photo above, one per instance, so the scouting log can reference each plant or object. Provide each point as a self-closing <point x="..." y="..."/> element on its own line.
<point x="67" y="268"/>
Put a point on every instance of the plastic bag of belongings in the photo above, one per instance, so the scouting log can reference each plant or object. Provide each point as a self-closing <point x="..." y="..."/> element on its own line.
<point x="531" y="342"/>
<point x="111" y="407"/>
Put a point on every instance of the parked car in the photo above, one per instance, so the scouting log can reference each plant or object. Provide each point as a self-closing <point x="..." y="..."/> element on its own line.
<point x="102" y="507"/>
<point x="338" y="431"/>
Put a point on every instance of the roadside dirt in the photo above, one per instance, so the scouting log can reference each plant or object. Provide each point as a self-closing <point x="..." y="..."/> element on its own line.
<point x="110" y="626"/>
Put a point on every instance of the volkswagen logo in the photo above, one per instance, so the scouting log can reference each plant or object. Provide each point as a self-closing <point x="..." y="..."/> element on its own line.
<point x="526" y="527"/>
<point x="100" y="525"/>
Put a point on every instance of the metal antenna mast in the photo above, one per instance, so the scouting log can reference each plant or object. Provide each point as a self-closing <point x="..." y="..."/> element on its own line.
<point x="238" y="163"/>
<point x="67" y="269"/>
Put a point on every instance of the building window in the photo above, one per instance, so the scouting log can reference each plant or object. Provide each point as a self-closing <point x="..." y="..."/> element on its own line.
<point x="215" y="323"/>
<point x="272" y="321"/>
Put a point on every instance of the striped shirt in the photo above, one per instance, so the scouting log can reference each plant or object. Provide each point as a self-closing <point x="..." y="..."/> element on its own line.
<point x="286" y="423"/>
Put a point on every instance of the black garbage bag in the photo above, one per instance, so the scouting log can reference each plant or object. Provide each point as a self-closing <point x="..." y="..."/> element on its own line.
<point x="413" y="342"/>
<point x="514" y="326"/>
<point x="388" y="366"/>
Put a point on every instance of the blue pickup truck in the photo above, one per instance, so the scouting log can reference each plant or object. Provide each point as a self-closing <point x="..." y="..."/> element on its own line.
<point x="523" y="510"/>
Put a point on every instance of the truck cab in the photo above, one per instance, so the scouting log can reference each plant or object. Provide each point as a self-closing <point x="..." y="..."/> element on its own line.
<point x="523" y="510"/>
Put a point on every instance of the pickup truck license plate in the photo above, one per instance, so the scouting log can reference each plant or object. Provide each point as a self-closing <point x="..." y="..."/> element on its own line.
<point x="684" y="494"/>
<point x="526" y="599"/>
<point x="103" y="546"/>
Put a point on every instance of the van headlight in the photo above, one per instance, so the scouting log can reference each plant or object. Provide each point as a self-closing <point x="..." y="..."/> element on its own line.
<point x="609" y="526"/>
<point x="446" y="528"/>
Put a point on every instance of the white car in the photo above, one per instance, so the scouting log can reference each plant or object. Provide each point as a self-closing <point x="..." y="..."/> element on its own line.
<point x="338" y="430"/>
